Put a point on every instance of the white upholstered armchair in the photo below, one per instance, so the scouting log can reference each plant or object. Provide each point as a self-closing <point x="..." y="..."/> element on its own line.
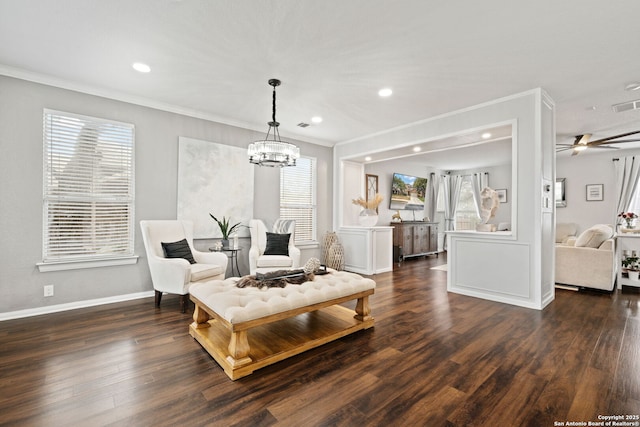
<point x="171" y="271"/>
<point x="272" y="251"/>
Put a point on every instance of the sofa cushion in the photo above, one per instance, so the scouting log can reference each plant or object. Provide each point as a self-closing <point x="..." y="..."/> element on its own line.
<point x="594" y="236"/>
<point x="179" y="249"/>
<point x="277" y="244"/>
<point x="274" y="261"/>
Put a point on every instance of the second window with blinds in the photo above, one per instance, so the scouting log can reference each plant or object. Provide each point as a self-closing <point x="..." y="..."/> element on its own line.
<point x="298" y="198"/>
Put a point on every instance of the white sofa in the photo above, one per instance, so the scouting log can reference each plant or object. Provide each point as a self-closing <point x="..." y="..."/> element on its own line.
<point x="565" y="230"/>
<point x="588" y="260"/>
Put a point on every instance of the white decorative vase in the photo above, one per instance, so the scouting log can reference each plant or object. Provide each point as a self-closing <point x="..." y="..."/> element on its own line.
<point x="368" y="218"/>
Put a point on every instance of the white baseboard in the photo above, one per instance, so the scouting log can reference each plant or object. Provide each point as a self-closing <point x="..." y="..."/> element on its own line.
<point x="72" y="305"/>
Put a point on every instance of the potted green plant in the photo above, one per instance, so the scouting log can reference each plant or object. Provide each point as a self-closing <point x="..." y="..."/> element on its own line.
<point x="225" y="228"/>
<point x="631" y="264"/>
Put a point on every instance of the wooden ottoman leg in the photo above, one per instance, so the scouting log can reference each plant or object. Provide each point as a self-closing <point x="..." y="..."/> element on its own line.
<point x="362" y="309"/>
<point x="200" y="318"/>
<point x="238" y="349"/>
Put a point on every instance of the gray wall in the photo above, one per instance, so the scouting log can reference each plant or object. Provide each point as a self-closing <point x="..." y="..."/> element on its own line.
<point x="157" y="132"/>
<point x="580" y="171"/>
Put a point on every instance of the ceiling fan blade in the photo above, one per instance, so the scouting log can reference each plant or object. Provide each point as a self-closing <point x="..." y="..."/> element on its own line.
<point x="608" y="147"/>
<point x="606" y="140"/>
<point x="620" y="141"/>
<point x="560" y="149"/>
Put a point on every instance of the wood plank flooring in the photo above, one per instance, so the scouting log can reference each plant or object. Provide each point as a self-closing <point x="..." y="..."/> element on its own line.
<point x="432" y="359"/>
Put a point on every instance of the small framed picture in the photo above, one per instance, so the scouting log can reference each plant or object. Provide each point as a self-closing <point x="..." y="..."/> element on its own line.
<point x="595" y="192"/>
<point x="502" y="195"/>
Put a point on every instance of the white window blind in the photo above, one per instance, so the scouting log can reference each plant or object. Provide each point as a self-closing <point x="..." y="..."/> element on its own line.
<point x="298" y="197"/>
<point x="88" y="188"/>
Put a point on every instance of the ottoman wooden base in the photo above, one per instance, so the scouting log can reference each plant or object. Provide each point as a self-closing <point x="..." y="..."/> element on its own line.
<point x="273" y="342"/>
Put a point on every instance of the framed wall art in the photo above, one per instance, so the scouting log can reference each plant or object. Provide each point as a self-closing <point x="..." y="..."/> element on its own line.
<point x="371" y="183"/>
<point x="595" y="192"/>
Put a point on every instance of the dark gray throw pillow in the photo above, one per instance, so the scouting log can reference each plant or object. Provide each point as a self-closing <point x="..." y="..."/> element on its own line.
<point x="277" y="244"/>
<point x="179" y="249"/>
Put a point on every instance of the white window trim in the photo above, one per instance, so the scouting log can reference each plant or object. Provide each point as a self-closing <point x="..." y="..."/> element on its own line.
<point x="80" y="264"/>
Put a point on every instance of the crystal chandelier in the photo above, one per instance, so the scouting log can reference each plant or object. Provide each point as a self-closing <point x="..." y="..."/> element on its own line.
<point x="273" y="152"/>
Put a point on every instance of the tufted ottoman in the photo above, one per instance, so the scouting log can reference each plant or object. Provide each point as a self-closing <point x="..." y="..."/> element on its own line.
<point x="245" y="329"/>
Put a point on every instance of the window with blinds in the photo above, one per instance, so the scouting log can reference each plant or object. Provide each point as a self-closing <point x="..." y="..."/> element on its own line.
<point x="298" y="198"/>
<point x="88" y="188"/>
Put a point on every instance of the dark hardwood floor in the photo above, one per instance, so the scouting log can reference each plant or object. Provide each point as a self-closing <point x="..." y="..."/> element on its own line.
<point x="432" y="359"/>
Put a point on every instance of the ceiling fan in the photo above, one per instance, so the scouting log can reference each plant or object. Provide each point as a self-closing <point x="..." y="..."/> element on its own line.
<point x="582" y="142"/>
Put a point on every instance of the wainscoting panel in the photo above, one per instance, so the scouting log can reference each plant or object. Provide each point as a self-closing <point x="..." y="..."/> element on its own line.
<point x="497" y="270"/>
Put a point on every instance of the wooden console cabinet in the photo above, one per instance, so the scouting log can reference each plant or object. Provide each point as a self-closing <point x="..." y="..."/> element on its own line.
<point x="415" y="238"/>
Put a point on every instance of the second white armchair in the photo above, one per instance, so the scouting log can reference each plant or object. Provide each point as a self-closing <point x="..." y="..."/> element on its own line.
<point x="273" y="250"/>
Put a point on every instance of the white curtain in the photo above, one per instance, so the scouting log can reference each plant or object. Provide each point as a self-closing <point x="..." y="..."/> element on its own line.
<point x="478" y="182"/>
<point x="432" y="193"/>
<point x="627" y="174"/>
<point x="451" y="186"/>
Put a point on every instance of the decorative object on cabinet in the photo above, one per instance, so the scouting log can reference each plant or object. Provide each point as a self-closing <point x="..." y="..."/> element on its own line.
<point x="629" y="219"/>
<point x="595" y="192"/>
<point x="415" y="238"/>
<point x="368" y="216"/>
<point x="489" y="202"/>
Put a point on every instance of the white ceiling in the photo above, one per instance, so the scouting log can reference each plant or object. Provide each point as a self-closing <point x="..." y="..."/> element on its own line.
<point x="212" y="59"/>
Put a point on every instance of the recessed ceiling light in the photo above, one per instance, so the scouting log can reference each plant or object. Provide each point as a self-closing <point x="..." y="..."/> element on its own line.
<point x="632" y="86"/>
<point x="140" y="67"/>
<point x="316" y="119"/>
<point x="416" y="149"/>
<point x="385" y="92"/>
<point x="486" y="135"/>
<point x="368" y="158"/>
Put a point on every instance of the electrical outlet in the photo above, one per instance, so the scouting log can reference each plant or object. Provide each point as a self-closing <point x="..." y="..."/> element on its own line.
<point x="48" y="290"/>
